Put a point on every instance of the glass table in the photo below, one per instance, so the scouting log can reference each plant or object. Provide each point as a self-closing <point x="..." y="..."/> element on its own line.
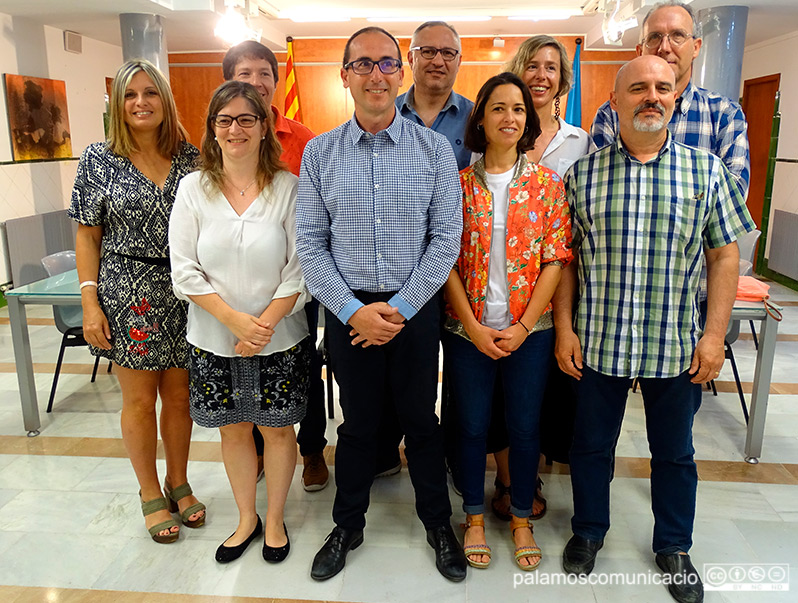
<point x="61" y="289"/>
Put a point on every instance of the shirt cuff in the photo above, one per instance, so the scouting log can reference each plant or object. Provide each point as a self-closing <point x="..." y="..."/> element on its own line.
<point x="349" y="309"/>
<point x="405" y="309"/>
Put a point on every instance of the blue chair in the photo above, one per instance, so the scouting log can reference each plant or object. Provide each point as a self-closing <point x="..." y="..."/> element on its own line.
<point x="68" y="319"/>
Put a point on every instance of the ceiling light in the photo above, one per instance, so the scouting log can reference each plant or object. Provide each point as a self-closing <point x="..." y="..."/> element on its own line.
<point x="234" y="28"/>
<point x="498" y="42"/>
<point x="612" y="27"/>
<point x="421" y="19"/>
<point x="547" y="14"/>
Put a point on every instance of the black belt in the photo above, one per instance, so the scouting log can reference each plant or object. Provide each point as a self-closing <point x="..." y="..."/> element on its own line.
<point x="145" y="260"/>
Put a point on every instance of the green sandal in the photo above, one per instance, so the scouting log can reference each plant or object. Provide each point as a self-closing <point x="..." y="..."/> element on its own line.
<point x="179" y="493"/>
<point x="153" y="506"/>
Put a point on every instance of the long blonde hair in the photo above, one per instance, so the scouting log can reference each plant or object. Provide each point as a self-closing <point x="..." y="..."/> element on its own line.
<point x="270" y="150"/>
<point x="171" y="134"/>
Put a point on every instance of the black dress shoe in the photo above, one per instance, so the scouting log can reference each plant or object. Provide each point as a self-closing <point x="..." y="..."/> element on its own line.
<point x="687" y="588"/>
<point x="579" y="555"/>
<point x="276" y="554"/>
<point x="226" y="554"/>
<point x="331" y="558"/>
<point x="449" y="557"/>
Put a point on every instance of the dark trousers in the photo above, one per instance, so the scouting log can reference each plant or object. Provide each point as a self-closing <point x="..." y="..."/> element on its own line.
<point x="407" y="367"/>
<point x="311" y="429"/>
<point x="670" y="406"/>
<point x="472" y="377"/>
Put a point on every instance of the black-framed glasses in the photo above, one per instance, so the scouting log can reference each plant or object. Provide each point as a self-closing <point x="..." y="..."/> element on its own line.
<point x="676" y="38"/>
<point x="245" y="120"/>
<point x="429" y="52"/>
<point x="366" y="66"/>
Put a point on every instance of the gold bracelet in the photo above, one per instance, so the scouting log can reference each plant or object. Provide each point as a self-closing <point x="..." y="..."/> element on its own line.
<point x="523" y="326"/>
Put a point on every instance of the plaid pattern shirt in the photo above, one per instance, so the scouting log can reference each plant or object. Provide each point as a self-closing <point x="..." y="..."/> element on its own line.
<point x="641" y="230"/>
<point x="380" y="213"/>
<point x="701" y="119"/>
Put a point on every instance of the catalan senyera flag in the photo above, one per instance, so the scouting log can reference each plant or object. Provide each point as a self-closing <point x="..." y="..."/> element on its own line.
<point x="292" y="110"/>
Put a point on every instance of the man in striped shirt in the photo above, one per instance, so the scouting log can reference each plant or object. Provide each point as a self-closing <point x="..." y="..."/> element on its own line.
<point x="645" y="210"/>
<point x="701" y="118"/>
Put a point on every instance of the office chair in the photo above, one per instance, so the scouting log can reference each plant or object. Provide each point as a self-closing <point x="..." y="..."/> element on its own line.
<point x="68" y="319"/>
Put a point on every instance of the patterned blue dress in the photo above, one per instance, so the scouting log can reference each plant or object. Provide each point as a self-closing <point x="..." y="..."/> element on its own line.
<point x="147" y="321"/>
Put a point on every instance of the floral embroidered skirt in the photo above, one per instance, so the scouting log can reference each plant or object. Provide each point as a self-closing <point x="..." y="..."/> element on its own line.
<point x="267" y="390"/>
<point x="147" y="321"/>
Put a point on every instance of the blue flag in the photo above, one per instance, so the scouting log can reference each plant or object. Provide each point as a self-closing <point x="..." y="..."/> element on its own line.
<point x="573" y="112"/>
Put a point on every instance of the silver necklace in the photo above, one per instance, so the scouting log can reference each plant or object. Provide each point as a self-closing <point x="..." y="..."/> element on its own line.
<point x="246" y="188"/>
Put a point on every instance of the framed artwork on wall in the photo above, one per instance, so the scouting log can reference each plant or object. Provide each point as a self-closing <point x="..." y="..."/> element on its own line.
<point x="37" y="117"/>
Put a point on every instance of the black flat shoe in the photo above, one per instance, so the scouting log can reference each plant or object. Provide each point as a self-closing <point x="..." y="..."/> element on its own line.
<point x="226" y="554"/>
<point x="449" y="557"/>
<point x="277" y="554"/>
<point x="331" y="558"/>
<point x="579" y="555"/>
<point x="687" y="588"/>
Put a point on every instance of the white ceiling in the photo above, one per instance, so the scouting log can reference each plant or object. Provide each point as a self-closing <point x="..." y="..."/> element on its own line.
<point x="189" y="24"/>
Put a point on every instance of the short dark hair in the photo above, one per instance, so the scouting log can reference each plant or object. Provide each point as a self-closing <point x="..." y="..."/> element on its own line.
<point x="475" y="136"/>
<point x="249" y="49"/>
<point x="428" y="24"/>
<point x="370" y="29"/>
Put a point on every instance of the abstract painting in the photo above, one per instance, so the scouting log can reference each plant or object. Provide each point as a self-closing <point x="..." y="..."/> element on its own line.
<point x="37" y="118"/>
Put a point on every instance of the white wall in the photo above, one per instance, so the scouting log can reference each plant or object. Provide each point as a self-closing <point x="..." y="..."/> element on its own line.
<point x="27" y="48"/>
<point x="780" y="55"/>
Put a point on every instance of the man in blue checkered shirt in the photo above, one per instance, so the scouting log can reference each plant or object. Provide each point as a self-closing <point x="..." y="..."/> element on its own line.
<point x="379" y="222"/>
<point x="701" y="119"/>
<point x="645" y="210"/>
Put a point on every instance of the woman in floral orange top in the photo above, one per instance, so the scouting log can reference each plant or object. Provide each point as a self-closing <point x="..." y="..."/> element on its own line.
<point x="516" y="238"/>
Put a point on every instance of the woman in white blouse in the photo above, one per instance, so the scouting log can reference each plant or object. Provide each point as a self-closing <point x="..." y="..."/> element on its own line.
<point x="543" y="65"/>
<point x="232" y="239"/>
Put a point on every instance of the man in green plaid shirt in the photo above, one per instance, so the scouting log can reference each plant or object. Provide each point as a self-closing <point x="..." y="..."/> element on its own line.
<point x="645" y="210"/>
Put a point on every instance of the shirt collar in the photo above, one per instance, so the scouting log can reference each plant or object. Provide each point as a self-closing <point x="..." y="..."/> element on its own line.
<point x="686" y="99"/>
<point x="394" y="130"/>
<point x="567" y="129"/>
<point x="620" y="148"/>
<point x="410" y="98"/>
<point x="280" y="122"/>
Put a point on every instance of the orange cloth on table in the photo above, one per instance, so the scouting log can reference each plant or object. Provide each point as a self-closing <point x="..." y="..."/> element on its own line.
<point x="538" y="232"/>
<point x="293" y="137"/>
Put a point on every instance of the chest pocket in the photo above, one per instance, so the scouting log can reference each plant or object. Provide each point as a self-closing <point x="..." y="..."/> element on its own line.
<point x="414" y="192"/>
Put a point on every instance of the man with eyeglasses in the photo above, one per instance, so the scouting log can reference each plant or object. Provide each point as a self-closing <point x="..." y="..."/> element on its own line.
<point x="379" y="222"/>
<point x="253" y="63"/>
<point x="434" y="57"/>
<point x="702" y="119"/>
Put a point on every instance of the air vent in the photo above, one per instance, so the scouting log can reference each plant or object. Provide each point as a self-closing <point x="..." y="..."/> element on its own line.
<point x="73" y="42"/>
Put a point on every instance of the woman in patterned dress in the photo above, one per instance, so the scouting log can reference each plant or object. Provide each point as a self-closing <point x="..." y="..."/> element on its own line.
<point x="232" y="239"/>
<point x="498" y="296"/>
<point x="123" y="195"/>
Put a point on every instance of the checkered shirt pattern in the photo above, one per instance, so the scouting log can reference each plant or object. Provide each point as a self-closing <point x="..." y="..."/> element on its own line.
<point x="378" y="212"/>
<point x="701" y="119"/>
<point x="641" y="230"/>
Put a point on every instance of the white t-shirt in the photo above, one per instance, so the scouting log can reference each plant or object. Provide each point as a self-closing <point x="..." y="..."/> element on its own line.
<point x="248" y="260"/>
<point x="496" y="314"/>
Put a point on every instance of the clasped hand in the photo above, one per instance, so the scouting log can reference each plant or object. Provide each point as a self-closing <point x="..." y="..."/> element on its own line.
<point x="375" y="324"/>
<point x="252" y="333"/>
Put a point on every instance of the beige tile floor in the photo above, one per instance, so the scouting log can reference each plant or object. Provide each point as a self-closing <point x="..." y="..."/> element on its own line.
<point x="70" y="528"/>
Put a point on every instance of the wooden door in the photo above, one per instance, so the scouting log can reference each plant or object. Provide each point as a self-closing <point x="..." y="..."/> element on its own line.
<point x="759" y="99"/>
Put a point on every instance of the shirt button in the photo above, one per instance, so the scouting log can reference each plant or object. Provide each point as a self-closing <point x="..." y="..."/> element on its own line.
<point x="379" y="221"/>
<point x="379" y="256"/>
<point x="375" y="154"/>
<point x="382" y="286"/>
<point x="376" y="186"/>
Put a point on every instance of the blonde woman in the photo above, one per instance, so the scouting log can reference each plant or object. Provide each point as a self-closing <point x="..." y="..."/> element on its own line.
<point x="233" y="244"/>
<point x="123" y="195"/>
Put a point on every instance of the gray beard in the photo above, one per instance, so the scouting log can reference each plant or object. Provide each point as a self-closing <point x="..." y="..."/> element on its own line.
<point x="641" y="125"/>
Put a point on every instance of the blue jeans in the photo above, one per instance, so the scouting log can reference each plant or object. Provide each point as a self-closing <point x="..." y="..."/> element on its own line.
<point x="523" y="374"/>
<point x="670" y="406"/>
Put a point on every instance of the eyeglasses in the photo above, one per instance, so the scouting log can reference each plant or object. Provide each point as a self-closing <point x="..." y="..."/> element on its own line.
<point x="245" y="120"/>
<point x="429" y="52"/>
<point x="676" y="39"/>
<point x="366" y="66"/>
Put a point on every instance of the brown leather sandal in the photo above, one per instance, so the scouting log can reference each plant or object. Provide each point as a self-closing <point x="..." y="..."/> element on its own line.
<point x="475" y="521"/>
<point x="521" y="552"/>
<point x="153" y="506"/>
<point x="500" y="503"/>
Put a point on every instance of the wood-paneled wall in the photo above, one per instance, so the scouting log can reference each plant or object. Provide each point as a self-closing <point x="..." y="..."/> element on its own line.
<point x="326" y="103"/>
